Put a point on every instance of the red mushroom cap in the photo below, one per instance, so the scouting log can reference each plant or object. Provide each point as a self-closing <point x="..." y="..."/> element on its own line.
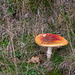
<point x="50" y="40"/>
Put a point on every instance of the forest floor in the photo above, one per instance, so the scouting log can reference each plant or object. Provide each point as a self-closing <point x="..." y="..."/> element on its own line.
<point x="19" y="53"/>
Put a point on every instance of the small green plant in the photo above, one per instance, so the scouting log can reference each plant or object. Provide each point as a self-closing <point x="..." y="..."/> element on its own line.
<point x="30" y="43"/>
<point x="11" y="7"/>
<point x="28" y="69"/>
<point x="57" y="59"/>
<point x="54" y="72"/>
<point x="4" y="42"/>
<point x="37" y="4"/>
<point x="31" y="72"/>
<point x="0" y="48"/>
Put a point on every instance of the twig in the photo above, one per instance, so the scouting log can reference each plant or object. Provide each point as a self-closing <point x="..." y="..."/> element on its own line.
<point x="12" y="44"/>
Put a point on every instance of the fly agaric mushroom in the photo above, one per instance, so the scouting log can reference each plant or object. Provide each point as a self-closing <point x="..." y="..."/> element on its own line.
<point x="50" y="40"/>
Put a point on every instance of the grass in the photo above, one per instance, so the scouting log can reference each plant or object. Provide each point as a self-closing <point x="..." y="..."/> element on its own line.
<point x="54" y="72"/>
<point x="57" y="59"/>
<point x="17" y="38"/>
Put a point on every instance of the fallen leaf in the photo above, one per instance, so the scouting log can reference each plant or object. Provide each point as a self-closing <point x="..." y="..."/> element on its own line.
<point x="34" y="60"/>
<point x="40" y="56"/>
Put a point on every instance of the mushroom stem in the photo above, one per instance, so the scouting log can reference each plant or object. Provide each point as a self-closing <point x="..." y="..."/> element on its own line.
<point x="49" y="52"/>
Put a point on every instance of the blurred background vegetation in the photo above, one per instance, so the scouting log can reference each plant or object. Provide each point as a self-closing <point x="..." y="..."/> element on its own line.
<point x="21" y="21"/>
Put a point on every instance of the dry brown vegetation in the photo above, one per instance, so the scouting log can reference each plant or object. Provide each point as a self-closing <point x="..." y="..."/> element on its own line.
<point x="21" y="21"/>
